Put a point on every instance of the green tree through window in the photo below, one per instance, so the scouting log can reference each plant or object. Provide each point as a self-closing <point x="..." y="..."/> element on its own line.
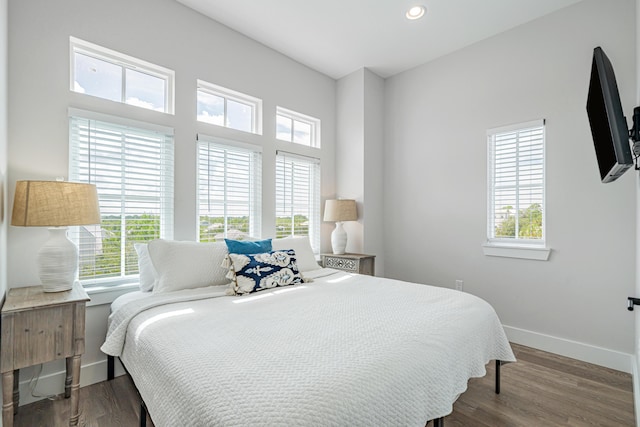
<point x="529" y="223"/>
<point x="108" y="262"/>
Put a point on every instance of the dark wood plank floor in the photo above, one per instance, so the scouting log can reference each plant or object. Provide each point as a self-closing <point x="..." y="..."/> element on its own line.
<point x="541" y="389"/>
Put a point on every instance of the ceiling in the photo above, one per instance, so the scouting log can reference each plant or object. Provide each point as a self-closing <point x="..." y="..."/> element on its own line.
<point x="337" y="37"/>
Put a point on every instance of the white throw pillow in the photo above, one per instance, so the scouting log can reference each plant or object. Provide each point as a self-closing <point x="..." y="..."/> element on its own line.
<point x="187" y="265"/>
<point x="304" y="254"/>
<point x="148" y="275"/>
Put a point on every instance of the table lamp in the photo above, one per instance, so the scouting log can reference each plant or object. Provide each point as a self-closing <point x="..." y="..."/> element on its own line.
<point x="339" y="211"/>
<point x="56" y="204"/>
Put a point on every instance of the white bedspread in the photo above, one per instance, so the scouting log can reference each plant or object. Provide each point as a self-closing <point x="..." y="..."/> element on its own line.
<point x="344" y="350"/>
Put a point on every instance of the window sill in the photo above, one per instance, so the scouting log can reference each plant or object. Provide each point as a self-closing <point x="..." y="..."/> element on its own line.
<point x="101" y="295"/>
<point x="522" y="252"/>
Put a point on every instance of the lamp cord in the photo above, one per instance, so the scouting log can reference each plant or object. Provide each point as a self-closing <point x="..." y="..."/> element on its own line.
<point x="33" y="383"/>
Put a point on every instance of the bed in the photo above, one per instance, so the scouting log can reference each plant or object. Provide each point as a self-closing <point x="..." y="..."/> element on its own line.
<point x="342" y="349"/>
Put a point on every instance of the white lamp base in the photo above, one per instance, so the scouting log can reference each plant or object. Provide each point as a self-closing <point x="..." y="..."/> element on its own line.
<point x="338" y="239"/>
<point x="58" y="261"/>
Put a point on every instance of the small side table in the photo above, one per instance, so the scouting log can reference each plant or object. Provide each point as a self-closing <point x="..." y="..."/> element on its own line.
<point x="39" y="327"/>
<point x="355" y="263"/>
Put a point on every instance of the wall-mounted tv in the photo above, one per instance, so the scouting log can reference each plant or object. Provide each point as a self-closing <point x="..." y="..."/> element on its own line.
<point x="608" y="124"/>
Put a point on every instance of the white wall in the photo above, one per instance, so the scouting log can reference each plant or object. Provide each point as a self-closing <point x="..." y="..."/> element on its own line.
<point x="359" y="159"/>
<point x="350" y="122"/>
<point x="4" y="209"/>
<point x="373" y="213"/>
<point x="168" y="34"/>
<point x="636" y="367"/>
<point x="435" y="172"/>
<point x="4" y="215"/>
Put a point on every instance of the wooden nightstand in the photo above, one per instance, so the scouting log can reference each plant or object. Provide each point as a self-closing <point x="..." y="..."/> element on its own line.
<point x="39" y="327"/>
<point x="355" y="263"/>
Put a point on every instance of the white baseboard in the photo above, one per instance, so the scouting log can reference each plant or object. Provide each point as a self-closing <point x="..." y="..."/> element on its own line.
<point x="53" y="383"/>
<point x="573" y="349"/>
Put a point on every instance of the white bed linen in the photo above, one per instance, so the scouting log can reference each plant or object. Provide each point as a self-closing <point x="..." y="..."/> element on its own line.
<point x="347" y="350"/>
<point x="129" y="296"/>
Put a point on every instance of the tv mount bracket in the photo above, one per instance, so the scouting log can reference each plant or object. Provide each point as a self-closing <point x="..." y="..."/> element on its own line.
<point x="631" y="301"/>
<point x="634" y="134"/>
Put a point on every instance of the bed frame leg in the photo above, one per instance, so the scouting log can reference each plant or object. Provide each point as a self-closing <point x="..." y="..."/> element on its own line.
<point x="439" y="422"/>
<point x="111" y="366"/>
<point x="143" y="414"/>
<point x="143" y="407"/>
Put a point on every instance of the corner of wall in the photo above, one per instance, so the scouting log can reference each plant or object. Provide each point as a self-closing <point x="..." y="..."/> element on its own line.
<point x="3" y="146"/>
<point x="636" y="355"/>
<point x="360" y="159"/>
<point x="374" y="102"/>
<point x="350" y="121"/>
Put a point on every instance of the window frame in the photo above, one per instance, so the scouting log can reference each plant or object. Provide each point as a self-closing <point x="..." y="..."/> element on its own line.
<point x="165" y="197"/>
<point x="314" y="123"/>
<point x="126" y="62"/>
<point x="232" y="95"/>
<point x="515" y="247"/>
<point x="314" y="187"/>
<point x="255" y="190"/>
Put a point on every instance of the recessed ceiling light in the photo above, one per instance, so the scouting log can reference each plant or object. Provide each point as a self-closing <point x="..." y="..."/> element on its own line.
<point x="415" y="12"/>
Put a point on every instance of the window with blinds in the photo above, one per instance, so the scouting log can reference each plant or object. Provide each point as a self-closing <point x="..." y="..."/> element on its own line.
<point x="298" y="197"/>
<point x="516" y="184"/>
<point x="131" y="165"/>
<point x="229" y="190"/>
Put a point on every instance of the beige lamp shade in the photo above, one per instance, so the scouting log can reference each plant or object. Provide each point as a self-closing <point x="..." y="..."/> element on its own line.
<point x="340" y="210"/>
<point x="55" y="204"/>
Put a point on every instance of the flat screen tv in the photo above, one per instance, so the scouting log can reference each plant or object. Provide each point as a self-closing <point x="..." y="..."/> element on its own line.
<point x="608" y="124"/>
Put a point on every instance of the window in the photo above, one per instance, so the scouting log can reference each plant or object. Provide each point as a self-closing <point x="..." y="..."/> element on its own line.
<point x="298" y="128"/>
<point x="131" y="164"/>
<point x="516" y="185"/>
<point x="229" y="190"/>
<point x="298" y="197"/>
<point x="108" y="74"/>
<point x="224" y="107"/>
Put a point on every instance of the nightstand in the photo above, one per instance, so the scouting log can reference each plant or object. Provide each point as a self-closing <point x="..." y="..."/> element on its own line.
<point x="355" y="263"/>
<point x="39" y="327"/>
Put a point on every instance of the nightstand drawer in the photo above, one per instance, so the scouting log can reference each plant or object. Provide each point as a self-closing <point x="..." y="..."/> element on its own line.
<point x="42" y="335"/>
<point x="345" y="264"/>
<point x="354" y="263"/>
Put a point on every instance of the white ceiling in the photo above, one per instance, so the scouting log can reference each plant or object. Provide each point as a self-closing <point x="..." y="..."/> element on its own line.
<point x="337" y="37"/>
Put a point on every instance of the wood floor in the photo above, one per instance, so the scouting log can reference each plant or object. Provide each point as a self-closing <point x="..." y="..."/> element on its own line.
<point x="541" y="389"/>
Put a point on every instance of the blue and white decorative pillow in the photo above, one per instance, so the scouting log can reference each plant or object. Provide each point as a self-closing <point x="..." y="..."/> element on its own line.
<point x="253" y="273"/>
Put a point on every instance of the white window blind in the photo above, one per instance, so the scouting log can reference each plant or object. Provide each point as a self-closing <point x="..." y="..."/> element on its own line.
<point x="229" y="191"/>
<point x="132" y="168"/>
<point x="298" y="197"/>
<point x="516" y="184"/>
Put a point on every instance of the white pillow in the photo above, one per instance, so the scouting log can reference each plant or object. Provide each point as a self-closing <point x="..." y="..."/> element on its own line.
<point x="148" y="275"/>
<point x="304" y="254"/>
<point x="187" y="265"/>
